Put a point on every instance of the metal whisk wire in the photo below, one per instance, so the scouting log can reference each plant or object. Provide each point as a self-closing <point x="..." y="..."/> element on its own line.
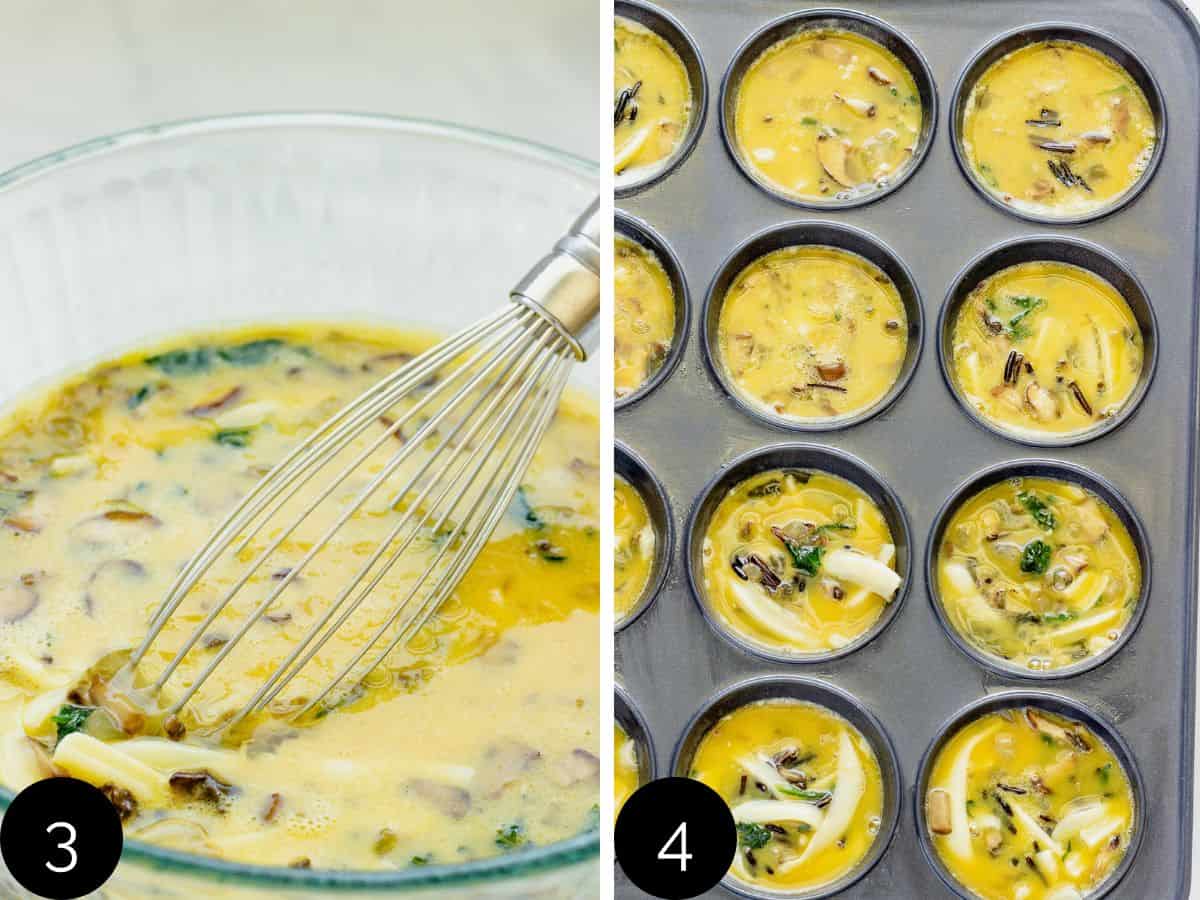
<point x="486" y="396"/>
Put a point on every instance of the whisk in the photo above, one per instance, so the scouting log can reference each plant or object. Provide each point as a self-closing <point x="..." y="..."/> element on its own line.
<point x="483" y="398"/>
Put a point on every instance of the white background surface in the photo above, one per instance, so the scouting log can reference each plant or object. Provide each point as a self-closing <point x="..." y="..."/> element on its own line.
<point x="71" y="71"/>
<point x="74" y="70"/>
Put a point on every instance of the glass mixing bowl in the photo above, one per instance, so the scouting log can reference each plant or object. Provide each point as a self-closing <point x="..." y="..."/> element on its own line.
<point x="223" y="221"/>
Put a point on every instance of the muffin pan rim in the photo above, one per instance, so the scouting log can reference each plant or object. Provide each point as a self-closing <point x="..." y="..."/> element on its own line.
<point x="1039" y="467"/>
<point x="922" y="76"/>
<point x="891" y="772"/>
<point x="966" y="280"/>
<point x="729" y="475"/>
<point x="906" y="287"/>
<point x="1053" y="702"/>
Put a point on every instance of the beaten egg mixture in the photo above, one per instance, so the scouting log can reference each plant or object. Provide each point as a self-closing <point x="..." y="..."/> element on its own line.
<point x="478" y="737"/>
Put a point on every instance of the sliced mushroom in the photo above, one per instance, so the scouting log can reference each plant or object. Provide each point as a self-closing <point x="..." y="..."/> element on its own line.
<point x="115" y="524"/>
<point x="202" y="785"/>
<point x="878" y="76"/>
<point x="216" y="404"/>
<point x="17" y="600"/>
<point x="503" y="763"/>
<point x="580" y="766"/>
<point x="1042" y="724"/>
<point x="1089" y="525"/>
<point x="937" y="811"/>
<point x="864" y="108"/>
<point x="1040" y="402"/>
<point x="122" y="799"/>
<point x="832" y="154"/>
<point x="832" y="371"/>
<point x="100" y="582"/>
<point x="453" y="801"/>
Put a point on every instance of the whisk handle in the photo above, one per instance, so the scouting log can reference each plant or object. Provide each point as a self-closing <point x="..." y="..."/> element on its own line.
<point x="564" y="286"/>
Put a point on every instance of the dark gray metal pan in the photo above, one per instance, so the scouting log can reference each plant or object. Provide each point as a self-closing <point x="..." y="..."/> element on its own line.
<point x="924" y="445"/>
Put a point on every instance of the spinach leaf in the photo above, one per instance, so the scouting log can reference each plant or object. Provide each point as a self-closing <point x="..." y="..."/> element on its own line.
<point x="752" y="835"/>
<point x="525" y="512"/>
<point x="233" y="437"/>
<point x="1035" y="558"/>
<point x="251" y="353"/>
<point x="182" y="362"/>
<point x="509" y="837"/>
<point x="71" y="718"/>
<point x="1036" y="506"/>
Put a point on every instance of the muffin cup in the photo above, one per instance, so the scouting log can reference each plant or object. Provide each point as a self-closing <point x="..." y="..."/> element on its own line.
<point x="821" y="693"/>
<point x="1037" y="468"/>
<point x="1071" y="251"/>
<point x="667" y="27"/>
<point x="1017" y="38"/>
<point x="796" y="456"/>
<point x="838" y="20"/>
<point x="1053" y="703"/>
<point x="815" y="234"/>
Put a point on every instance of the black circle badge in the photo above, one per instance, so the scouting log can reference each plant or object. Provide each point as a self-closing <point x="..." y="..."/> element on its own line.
<point x="61" y="838"/>
<point x="675" y="838"/>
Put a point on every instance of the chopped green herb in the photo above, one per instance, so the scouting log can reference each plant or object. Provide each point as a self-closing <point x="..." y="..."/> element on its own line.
<point x="593" y="818"/>
<point x="71" y="718"/>
<point x="233" y="437"/>
<point x="808" y="120"/>
<point x="989" y="176"/>
<point x="1035" y="558"/>
<point x="1047" y="740"/>
<point x="895" y="93"/>
<point x="809" y="796"/>
<point x="525" y="511"/>
<point x="805" y="557"/>
<point x="847" y="525"/>
<point x="1016" y="328"/>
<point x="419" y="861"/>
<point x="251" y="353"/>
<point x="1104" y="772"/>
<point x="509" y="837"/>
<point x="1057" y="617"/>
<point x="182" y="362"/>
<point x="752" y="835"/>
<point x="1036" y="506"/>
<point x="140" y="396"/>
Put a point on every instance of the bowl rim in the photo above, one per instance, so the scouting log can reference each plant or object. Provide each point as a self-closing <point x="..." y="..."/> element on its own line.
<point x="583" y="847"/>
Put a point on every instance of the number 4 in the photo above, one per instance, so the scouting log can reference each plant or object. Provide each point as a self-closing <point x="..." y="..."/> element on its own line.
<point x="682" y="856"/>
<point x="65" y="845"/>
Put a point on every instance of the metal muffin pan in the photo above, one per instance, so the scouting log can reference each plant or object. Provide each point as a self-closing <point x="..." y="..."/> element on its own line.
<point x="827" y="19"/>
<point x="1024" y="35"/>
<point x="1037" y="468"/>
<point x="668" y="28"/>
<point x="924" y="445"/>
<point x="633" y="469"/>
<point x="828" y="234"/>
<point x="1075" y="252"/>
<point x="641" y="233"/>
<point x="1052" y="703"/>
<point x="810" y="457"/>
<point x="820" y="693"/>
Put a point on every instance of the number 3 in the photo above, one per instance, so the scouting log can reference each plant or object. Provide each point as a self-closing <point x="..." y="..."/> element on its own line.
<point x="683" y="856"/>
<point x="65" y="845"/>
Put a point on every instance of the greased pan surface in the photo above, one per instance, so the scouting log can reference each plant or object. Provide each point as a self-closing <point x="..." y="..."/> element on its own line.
<point x="924" y="445"/>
